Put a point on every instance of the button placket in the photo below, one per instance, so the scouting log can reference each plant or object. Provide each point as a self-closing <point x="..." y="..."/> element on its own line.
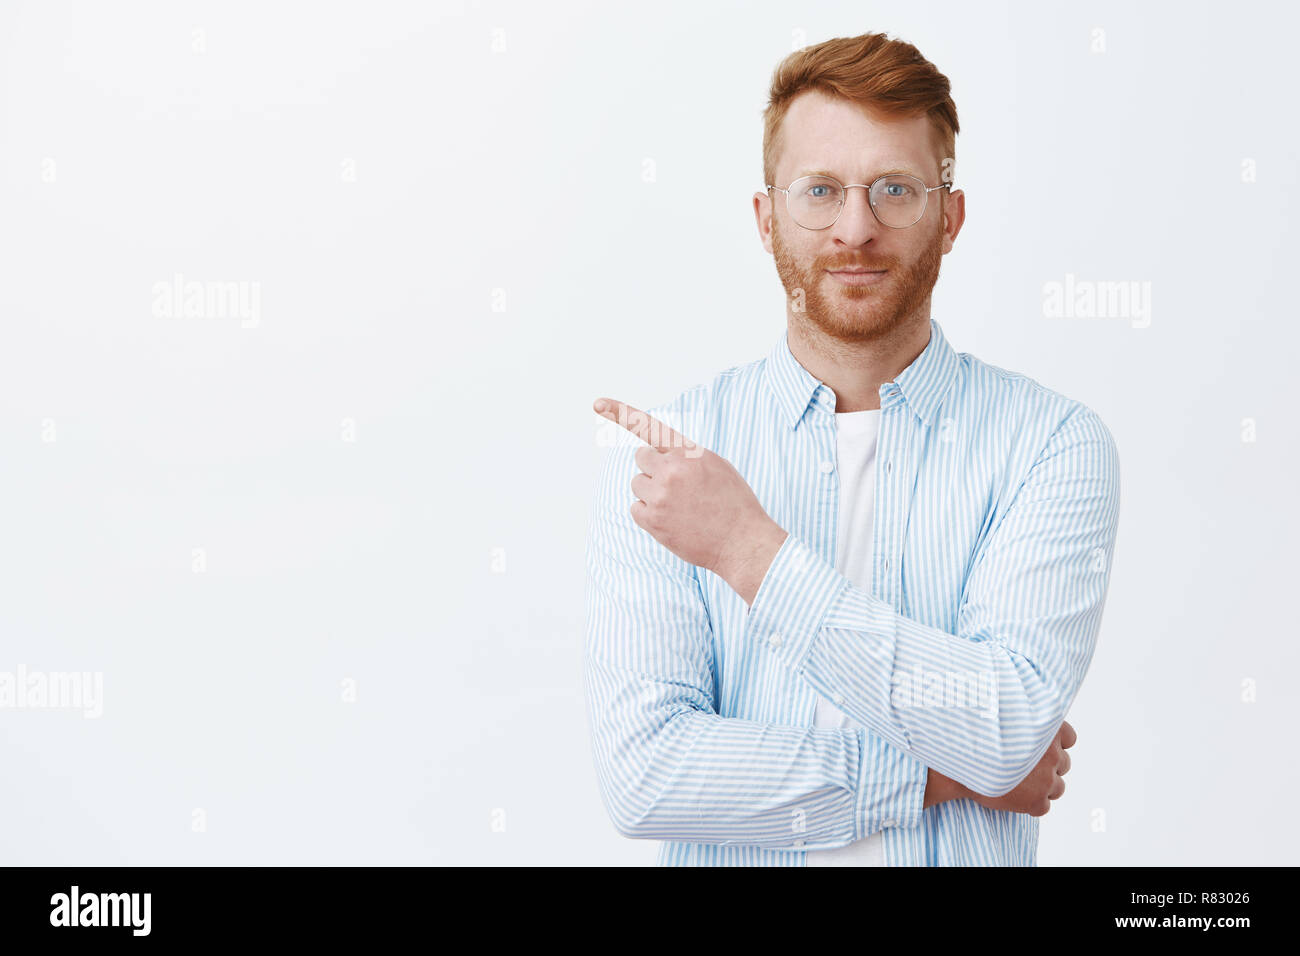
<point x="886" y="496"/>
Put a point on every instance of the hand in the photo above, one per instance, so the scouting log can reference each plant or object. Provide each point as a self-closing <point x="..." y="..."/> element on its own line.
<point x="1045" y="783"/>
<point x="696" y="504"/>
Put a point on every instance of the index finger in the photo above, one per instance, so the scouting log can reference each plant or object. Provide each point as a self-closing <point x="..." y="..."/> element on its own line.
<point x="645" y="427"/>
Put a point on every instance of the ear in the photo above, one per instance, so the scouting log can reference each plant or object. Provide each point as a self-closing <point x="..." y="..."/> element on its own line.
<point x="954" y="214"/>
<point x="763" y="216"/>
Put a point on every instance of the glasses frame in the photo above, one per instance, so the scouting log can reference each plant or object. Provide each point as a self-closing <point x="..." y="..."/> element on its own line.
<point x="844" y="190"/>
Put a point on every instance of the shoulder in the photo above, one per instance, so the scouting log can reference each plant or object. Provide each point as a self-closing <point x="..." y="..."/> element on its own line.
<point x="1017" y="404"/>
<point x="1034" y="430"/>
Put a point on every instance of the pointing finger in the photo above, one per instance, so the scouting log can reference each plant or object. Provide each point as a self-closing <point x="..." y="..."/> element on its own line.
<point x="645" y="427"/>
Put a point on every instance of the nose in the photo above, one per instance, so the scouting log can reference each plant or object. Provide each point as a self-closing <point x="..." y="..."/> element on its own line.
<point x="857" y="224"/>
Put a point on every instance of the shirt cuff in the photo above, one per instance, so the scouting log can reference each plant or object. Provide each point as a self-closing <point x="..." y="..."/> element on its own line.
<point x="891" y="787"/>
<point x="793" y="599"/>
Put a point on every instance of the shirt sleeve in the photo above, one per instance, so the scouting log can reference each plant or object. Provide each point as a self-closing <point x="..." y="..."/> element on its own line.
<point x="980" y="706"/>
<point x="669" y="766"/>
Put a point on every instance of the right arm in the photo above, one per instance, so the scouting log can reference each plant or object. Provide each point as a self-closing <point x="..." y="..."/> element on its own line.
<point x="669" y="766"/>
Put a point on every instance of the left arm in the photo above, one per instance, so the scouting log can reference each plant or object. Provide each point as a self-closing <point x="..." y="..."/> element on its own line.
<point x="1026" y="629"/>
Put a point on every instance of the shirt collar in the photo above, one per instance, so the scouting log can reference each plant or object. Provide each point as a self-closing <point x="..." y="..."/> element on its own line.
<point x="923" y="384"/>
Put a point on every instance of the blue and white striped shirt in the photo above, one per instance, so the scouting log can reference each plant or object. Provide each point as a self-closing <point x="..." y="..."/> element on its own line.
<point x="997" y="503"/>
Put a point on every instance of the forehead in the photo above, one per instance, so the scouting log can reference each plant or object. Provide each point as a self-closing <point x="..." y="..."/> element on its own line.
<point x="822" y="132"/>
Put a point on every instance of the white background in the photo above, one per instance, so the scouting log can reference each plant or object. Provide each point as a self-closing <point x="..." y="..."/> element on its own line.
<point x="457" y="248"/>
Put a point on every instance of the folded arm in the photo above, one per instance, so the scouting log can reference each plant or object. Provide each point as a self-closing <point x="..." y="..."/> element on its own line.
<point x="980" y="706"/>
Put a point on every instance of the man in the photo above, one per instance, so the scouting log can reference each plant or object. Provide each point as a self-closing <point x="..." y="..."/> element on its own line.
<point x="842" y="613"/>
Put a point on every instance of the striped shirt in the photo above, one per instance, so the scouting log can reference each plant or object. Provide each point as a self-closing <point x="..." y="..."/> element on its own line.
<point x="996" y="508"/>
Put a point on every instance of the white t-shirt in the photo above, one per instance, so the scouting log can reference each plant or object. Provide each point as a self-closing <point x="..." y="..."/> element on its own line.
<point x="855" y="437"/>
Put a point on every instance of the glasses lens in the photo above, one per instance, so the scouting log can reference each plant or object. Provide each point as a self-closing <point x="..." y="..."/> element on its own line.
<point x="898" y="200"/>
<point x="815" y="201"/>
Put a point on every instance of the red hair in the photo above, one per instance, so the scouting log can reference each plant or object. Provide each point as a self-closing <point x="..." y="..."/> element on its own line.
<point x="880" y="74"/>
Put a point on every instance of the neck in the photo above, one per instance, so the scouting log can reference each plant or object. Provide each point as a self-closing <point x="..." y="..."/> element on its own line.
<point x="855" y="370"/>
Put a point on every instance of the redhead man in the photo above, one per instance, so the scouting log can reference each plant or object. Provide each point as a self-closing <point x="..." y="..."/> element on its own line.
<point x="841" y="598"/>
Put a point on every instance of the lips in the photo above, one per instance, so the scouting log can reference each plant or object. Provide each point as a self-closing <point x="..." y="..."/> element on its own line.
<point x="857" y="276"/>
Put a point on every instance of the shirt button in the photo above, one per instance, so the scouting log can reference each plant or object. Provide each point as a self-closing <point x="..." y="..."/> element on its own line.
<point x="890" y="823"/>
<point x="839" y="700"/>
<point x="774" y="640"/>
<point x="827" y="467"/>
<point x="798" y="842"/>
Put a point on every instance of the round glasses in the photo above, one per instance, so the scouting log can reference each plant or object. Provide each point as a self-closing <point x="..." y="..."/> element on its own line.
<point x="897" y="200"/>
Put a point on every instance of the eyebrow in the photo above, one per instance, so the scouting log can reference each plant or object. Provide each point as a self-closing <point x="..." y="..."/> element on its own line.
<point x="884" y="172"/>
